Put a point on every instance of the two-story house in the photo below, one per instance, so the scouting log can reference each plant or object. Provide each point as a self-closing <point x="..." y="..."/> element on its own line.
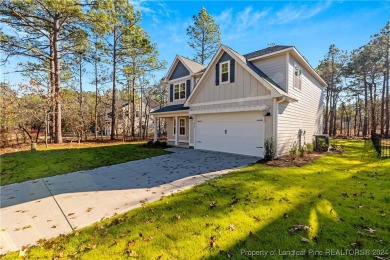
<point x="238" y="101"/>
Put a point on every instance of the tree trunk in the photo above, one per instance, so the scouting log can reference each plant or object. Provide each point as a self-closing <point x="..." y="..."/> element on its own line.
<point x="383" y="105"/>
<point x="365" y="118"/>
<point x="57" y="83"/>
<point x="387" y="126"/>
<point x="96" y="98"/>
<point x="113" y="109"/>
<point x="372" y="103"/>
<point x="133" y="103"/>
<point x="326" y="116"/>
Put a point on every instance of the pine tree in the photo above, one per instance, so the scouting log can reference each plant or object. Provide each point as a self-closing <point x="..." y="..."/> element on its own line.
<point x="205" y="36"/>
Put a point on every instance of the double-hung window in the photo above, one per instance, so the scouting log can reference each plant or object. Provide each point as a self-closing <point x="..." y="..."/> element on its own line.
<point x="225" y="71"/>
<point x="298" y="78"/>
<point x="182" y="126"/>
<point x="180" y="91"/>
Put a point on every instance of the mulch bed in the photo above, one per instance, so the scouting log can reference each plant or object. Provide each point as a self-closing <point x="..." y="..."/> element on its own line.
<point x="286" y="161"/>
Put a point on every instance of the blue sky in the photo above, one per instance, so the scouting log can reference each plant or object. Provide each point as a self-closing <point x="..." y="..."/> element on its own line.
<point x="311" y="26"/>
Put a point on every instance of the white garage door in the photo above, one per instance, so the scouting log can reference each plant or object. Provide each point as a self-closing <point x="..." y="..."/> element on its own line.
<point x="240" y="133"/>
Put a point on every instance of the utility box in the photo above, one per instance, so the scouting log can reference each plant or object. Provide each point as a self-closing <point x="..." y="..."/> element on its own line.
<point x="321" y="143"/>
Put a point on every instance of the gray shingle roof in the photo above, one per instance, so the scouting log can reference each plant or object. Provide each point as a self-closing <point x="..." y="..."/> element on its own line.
<point x="258" y="71"/>
<point x="193" y="65"/>
<point x="171" y="108"/>
<point x="266" y="51"/>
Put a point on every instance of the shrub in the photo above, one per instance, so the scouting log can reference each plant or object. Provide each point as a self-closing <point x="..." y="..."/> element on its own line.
<point x="270" y="149"/>
<point x="301" y="151"/>
<point x="293" y="150"/>
<point x="309" y="148"/>
<point x="157" y="144"/>
<point x="163" y="145"/>
<point x="149" y="144"/>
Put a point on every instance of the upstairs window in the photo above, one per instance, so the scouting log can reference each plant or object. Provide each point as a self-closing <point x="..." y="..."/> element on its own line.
<point x="180" y="91"/>
<point x="298" y="78"/>
<point x="225" y="70"/>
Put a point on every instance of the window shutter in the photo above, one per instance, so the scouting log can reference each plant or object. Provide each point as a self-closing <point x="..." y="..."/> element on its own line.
<point x="217" y="74"/>
<point x="171" y="93"/>
<point x="232" y="69"/>
<point x="188" y="88"/>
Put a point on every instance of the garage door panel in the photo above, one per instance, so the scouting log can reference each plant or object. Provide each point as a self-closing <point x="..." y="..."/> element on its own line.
<point x="241" y="133"/>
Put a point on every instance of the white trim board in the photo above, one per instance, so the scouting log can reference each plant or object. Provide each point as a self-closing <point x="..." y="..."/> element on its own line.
<point x="228" y="110"/>
<point x="231" y="101"/>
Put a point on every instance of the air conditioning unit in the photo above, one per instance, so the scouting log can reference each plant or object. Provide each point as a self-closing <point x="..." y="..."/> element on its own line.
<point x="321" y="143"/>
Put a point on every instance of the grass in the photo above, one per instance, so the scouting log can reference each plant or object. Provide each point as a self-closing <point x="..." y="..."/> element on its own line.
<point x="29" y="165"/>
<point x="338" y="196"/>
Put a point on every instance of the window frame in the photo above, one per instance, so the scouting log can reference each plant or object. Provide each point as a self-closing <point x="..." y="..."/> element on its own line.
<point x="182" y="127"/>
<point x="179" y="84"/>
<point x="221" y="72"/>
<point x="297" y="78"/>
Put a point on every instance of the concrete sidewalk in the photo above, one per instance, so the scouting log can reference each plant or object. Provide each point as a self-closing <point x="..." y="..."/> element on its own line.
<point x="48" y="207"/>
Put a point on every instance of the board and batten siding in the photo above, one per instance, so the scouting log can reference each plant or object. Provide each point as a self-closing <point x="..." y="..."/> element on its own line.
<point x="275" y="68"/>
<point x="306" y="114"/>
<point x="244" y="85"/>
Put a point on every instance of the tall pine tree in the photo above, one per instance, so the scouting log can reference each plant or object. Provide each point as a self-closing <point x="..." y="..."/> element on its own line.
<point x="205" y="36"/>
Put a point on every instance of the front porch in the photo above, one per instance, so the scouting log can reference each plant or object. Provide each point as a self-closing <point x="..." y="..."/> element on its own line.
<point x="179" y="125"/>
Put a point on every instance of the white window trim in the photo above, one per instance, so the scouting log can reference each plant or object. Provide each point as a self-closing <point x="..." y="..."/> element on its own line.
<point x="185" y="128"/>
<point x="220" y="72"/>
<point x="300" y="77"/>
<point x="185" y="90"/>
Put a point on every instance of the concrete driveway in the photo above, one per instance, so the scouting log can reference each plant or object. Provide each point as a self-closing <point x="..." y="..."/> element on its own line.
<point x="45" y="208"/>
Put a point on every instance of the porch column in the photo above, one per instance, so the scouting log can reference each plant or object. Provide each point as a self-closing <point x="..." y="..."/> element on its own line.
<point x="155" y="129"/>
<point x="177" y="131"/>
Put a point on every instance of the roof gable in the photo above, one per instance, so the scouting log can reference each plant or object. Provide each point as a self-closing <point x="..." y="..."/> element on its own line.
<point x="270" y="51"/>
<point x="257" y="73"/>
<point x="182" y="67"/>
<point x="179" y="71"/>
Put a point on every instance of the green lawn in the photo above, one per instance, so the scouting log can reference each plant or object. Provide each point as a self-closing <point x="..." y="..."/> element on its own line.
<point x="30" y="165"/>
<point x="339" y="197"/>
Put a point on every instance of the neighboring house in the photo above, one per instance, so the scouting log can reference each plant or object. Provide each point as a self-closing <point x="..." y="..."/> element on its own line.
<point x="238" y="101"/>
<point x="124" y="117"/>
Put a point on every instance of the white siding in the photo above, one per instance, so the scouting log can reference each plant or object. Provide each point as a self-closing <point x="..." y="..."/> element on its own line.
<point x="306" y="114"/>
<point x="275" y="68"/>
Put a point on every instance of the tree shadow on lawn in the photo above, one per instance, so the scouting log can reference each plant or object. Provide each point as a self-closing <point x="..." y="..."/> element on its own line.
<point x="339" y="215"/>
<point x="251" y="209"/>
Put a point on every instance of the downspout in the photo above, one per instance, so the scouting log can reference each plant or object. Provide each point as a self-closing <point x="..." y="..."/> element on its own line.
<point x="275" y="126"/>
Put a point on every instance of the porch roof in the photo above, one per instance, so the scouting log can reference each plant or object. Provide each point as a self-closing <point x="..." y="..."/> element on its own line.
<point x="171" y="108"/>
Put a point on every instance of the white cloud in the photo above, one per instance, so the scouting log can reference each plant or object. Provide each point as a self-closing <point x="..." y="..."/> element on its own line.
<point x="237" y="24"/>
<point x="247" y="18"/>
<point x="141" y="5"/>
<point x="295" y="11"/>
